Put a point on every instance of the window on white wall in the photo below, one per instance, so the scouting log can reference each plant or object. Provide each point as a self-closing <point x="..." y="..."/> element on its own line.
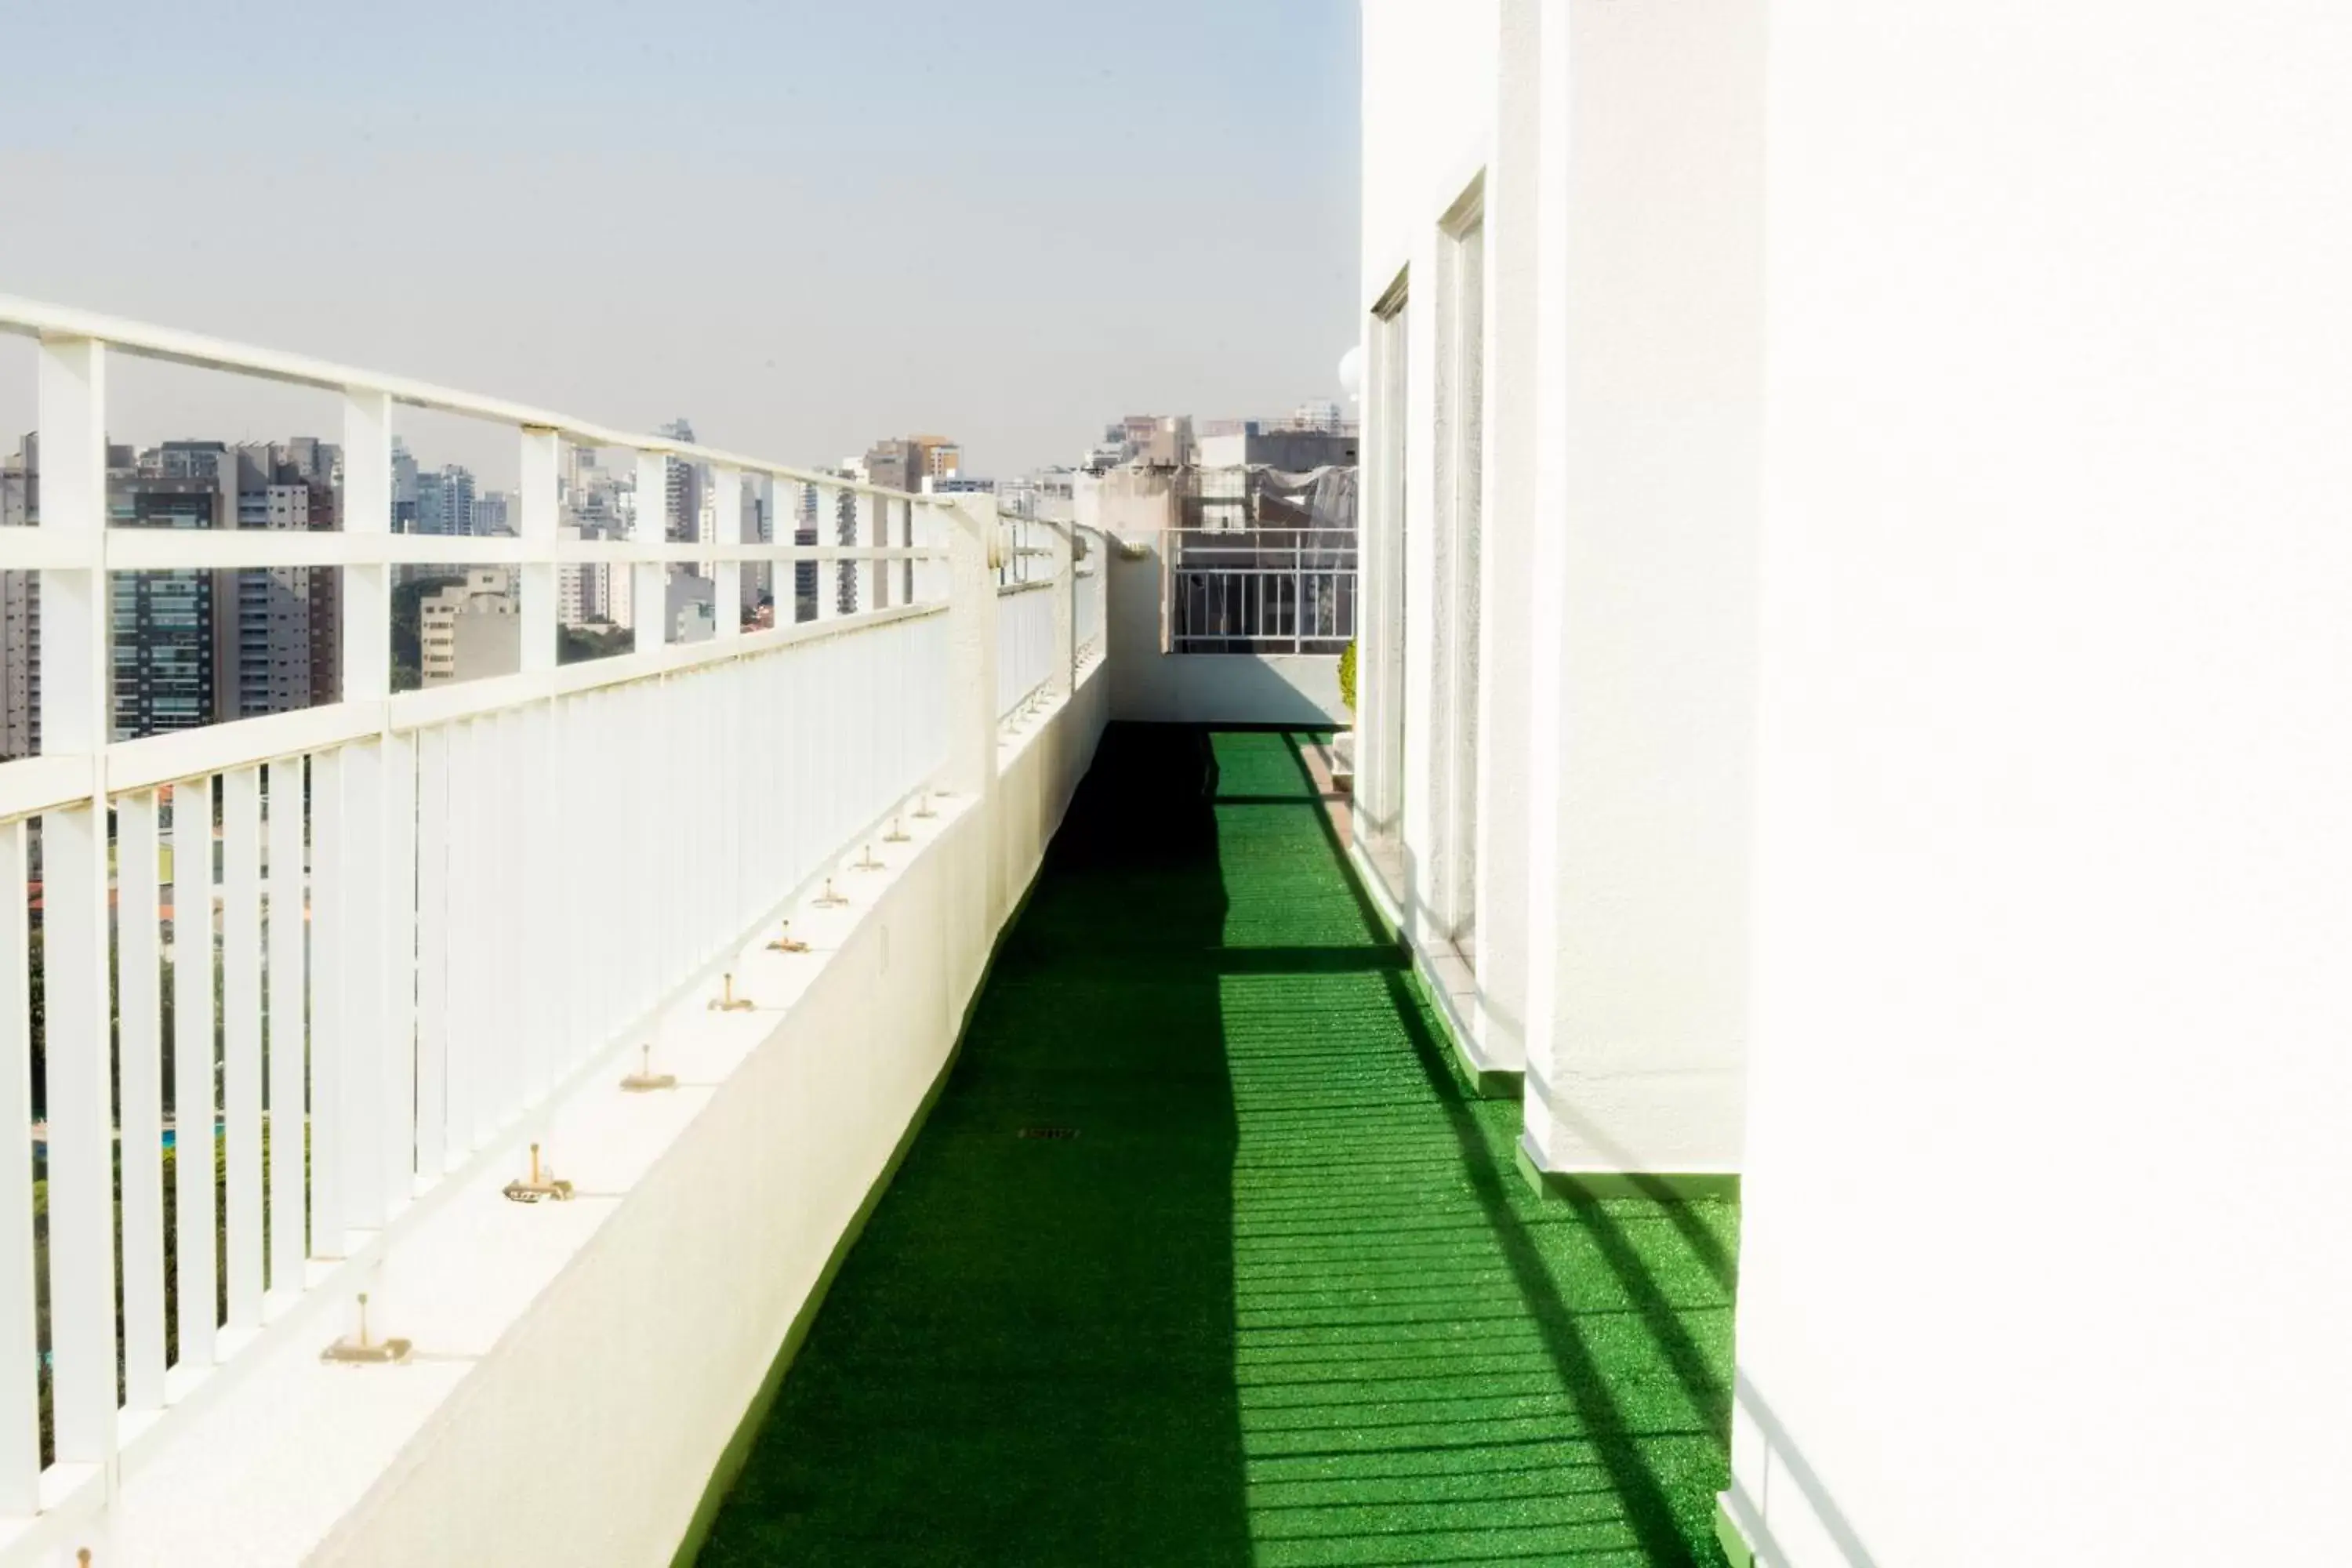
<point x="1460" y="485"/>
<point x="1381" y="652"/>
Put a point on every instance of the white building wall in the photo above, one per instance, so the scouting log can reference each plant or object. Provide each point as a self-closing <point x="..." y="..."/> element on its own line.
<point x="1623" y="336"/>
<point x="1649" y="377"/>
<point x="2045" y="1258"/>
<point x="2019" y="877"/>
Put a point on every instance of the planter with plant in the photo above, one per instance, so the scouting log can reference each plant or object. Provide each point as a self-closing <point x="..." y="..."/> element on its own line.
<point x="1343" y="743"/>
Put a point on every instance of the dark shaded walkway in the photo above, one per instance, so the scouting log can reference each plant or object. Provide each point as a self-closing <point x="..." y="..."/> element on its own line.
<point x="1282" y="1298"/>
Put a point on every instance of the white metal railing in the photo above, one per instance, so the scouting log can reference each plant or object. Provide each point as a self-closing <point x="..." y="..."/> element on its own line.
<point x="1023" y="552"/>
<point x="404" y="919"/>
<point x="1261" y="590"/>
<point x="1024" y="645"/>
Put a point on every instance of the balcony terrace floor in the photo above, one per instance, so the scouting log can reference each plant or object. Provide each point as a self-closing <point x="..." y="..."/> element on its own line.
<point x="1269" y="1288"/>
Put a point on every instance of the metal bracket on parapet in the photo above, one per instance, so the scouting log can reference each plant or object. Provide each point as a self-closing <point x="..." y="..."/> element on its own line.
<point x="362" y="1349"/>
<point x="727" y="1001"/>
<point x="540" y="1185"/>
<point x="644" y="1081"/>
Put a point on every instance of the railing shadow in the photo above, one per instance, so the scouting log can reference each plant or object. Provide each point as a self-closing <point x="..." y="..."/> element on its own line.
<point x="1282" y="1298"/>
<point x="1705" y="1381"/>
<point x="1027" y="1357"/>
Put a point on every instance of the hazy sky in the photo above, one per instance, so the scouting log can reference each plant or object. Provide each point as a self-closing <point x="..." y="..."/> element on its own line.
<point x="801" y="226"/>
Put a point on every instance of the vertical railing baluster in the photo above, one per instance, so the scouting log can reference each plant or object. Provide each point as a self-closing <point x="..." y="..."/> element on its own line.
<point x="331" y="1222"/>
<point x="828" y="581"/>
<point x="432" y="952"/>
<point x="540" y="503"/>
<point x="1064" y="673"/>
<point x="364" y="961"/>
<point x="287" y="1041"/>
<point x="533" y="914"/>
<point x="396" y="1117"/>
<point x="194" y="1096"/>
<point x="20" y="1353"/>
<point x="873" y="583"/>
<point x="526" y="928"/>
<point x="139" y="1003"/>
<point x="727" y="575"/>
<point x="461" y="958"/>
<point x="513" y="797"/>
<point x="650" y="592"/>
<point x="241" y="1036"/>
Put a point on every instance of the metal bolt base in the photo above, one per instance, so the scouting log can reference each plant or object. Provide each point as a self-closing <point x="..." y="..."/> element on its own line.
<point x="352" y="1350"/>
<point x="730" y="1004"/>
<point x="648" y="1082"/>
<point x="523" y="1191"/>
<point x="788" y="944"/>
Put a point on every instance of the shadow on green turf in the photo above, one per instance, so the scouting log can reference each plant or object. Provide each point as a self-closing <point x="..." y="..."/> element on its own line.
<point x="1041" y="1351"/>
<point x="1027" y="1357"/>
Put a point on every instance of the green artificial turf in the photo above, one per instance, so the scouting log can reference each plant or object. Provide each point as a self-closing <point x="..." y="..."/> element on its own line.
<point x="1284" y="1299"/>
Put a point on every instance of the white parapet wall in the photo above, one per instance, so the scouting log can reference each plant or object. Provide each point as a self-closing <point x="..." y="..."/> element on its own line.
<point x="581" y="1367"/>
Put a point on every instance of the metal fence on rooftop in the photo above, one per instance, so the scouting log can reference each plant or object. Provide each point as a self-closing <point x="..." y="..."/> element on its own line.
<point x="399" y="924"/>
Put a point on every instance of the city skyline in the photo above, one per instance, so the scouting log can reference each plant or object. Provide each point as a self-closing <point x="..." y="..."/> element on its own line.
<point x="865" y="271"/>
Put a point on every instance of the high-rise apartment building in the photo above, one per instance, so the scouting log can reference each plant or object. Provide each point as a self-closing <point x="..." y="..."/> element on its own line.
<point x="190" y="647"/>
<point x="897" y="465"/>
<point x="272" y="651"/>
<point x="445" y="501"/>
<point x="493" y="514"/>
<point x="684" y="483"/>
<point x="404" y="488"/>
<point x="936" y="456"/>
<point x="326" y="582"/>
<point x="167" y="659"/>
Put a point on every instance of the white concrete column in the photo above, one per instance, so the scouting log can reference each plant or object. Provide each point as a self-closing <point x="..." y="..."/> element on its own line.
<point x="1648" y="379"/>
<point x="1418" y="790"/>
<point x="1507" y="599"/>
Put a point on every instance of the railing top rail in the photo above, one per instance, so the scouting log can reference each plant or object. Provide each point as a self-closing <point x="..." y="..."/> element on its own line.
<point x="34" y="318"/>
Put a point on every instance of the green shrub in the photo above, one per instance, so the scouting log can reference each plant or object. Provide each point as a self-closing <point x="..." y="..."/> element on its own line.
<point x="1348" y="678"/>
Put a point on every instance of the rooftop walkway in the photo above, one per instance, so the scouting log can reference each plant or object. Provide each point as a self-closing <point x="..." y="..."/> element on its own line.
<point x="1270" y="1290"/>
